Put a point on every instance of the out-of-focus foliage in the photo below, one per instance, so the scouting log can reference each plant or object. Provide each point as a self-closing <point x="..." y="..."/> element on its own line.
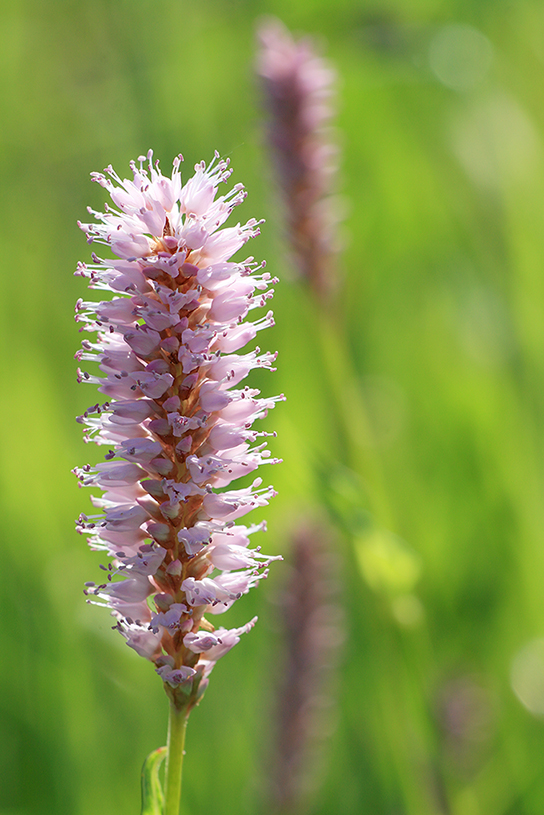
<point x="436" y="490"/>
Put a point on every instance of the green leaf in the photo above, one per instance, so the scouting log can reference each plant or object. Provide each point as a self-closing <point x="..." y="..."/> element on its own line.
<point x="152" y="793"/>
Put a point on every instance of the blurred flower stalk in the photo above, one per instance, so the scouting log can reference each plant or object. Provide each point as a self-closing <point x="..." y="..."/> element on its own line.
<point x="298" y="88"/>
<point x="312" y="623"/>
<point x="299" y="94"/>
<point x="177" y="423"/>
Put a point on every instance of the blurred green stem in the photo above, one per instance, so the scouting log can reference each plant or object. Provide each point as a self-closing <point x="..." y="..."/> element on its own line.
<point x="177" y="725"/>
<point x="360" y="452"/>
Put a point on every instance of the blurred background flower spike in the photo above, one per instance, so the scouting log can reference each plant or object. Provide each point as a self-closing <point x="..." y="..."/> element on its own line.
<point x="298" y="89"/>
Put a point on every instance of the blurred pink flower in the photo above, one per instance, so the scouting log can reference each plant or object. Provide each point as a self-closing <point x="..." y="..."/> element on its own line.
<point x="298" y="88"/>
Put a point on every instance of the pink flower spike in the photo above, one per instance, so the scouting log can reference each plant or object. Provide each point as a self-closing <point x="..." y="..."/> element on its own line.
<point x="298" y="91"/>
<point x="177" y="424"/>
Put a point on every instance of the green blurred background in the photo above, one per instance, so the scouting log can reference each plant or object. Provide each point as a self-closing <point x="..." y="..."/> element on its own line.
<point x="438" y="700"/>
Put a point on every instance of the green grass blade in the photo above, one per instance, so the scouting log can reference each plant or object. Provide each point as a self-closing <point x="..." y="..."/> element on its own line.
<point x="152" y="793"/>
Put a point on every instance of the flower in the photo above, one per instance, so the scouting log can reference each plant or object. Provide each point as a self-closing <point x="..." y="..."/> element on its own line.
<point x="298" y="88"/>
<point x="313" y="631"/>
<point x="178" y="423"/>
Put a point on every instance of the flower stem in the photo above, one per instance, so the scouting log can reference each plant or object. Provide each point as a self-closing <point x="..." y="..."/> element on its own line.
<point x="177" y="725"/>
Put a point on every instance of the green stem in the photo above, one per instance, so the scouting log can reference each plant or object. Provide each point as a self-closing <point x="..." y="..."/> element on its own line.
<point x="177" y="725"/>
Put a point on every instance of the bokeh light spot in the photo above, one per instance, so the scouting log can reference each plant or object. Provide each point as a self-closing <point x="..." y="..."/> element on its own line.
<point x="460" y="56"/>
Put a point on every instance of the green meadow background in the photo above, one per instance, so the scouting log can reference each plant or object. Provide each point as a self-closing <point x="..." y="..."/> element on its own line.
<point x="413" y="430"/>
